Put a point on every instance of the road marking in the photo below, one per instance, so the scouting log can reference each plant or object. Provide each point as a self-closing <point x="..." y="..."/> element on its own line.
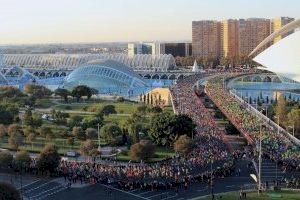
<point x="124" y="192"/>
<point x="135" y="190"/>
<point x="204" y="189"/>
<point x="41" y="193"/>
<point x="57" y="191"/>
<point x="158" y="195"/>
<point x="38" y="187"/>
<point x="230" y="186"/>
<point x="170" y="197"/>
<point x="146" y="192"/>
<point x="28" y="184"/>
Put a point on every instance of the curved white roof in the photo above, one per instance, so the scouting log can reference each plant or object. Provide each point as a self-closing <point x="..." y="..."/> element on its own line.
<point x="283" y="57"/>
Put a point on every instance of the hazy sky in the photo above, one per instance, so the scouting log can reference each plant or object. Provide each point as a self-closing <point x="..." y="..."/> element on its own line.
<point x="44" y="21"/>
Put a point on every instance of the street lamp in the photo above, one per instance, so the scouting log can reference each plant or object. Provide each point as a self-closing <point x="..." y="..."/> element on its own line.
<point x="259" y="158"/>
<point x="277" y="124"/>
<point x="211" y="167"/>
<point x="293" y="127"/>
<point x="266" y="109"/>
<point x="99" y="145"/>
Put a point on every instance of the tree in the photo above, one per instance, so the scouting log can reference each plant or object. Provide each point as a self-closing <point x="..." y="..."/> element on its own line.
<point x="281" y="110"/>
<point x="3" y="131"/>
<point x="91" y="133"/>
<point x="75" y="120"/>
<point x="10" y="92"/>
<point x="110" y="132"/>
<point x="184" y="125"/>
<point x="30" y="138"/>
<point x="59" y="117"/>
<point x="15" y="140"/>
<point x="83" y="90"/>
<point x="92" y="121"/>
<point x="28" y="119"/>
<point x="28" y="130"/>
<point x="22" y="159"/>
<point x="107" y="110"/>
<point x="78" y="133"/>
<point x="6" y="159"/>
<point x="49" y="158"/>
<point x="183" y="144"/>
<point x="37" y="91"/>
<point x="63" y="93"/>
<point x="142" y="150"/>
<point x="166" y="128"/>
<point x="14" y="128"/>
<point x="133" y="125"/>
<point x="294" y="118"/>
<point x="45" y="131"/>
<point x="86" y="147"/>
<point x="9" y="192"/>
<point x="6" y="116"/>
<point x="70" y="141"/>
<point x="94" y="153"/>
<point x="161" y="129"/>
<point x="155" y="109"/>
<point x="142" y="109"/>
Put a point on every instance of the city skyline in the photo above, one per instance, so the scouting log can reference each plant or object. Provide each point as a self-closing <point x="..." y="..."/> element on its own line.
<point x="33" y="22"/>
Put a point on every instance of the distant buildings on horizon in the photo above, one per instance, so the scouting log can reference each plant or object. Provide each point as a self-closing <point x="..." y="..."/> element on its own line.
<point x="181" y="49"/>
<point x="233" y="37"/>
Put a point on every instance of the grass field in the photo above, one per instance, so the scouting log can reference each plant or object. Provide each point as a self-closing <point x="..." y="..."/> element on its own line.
<point x="39" y="143"/>
<point x="284" y="195"/>
<point x="161" y="153"/>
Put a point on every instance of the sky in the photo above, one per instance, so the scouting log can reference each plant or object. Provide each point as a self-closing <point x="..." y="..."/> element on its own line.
<point x="68" y="21"/>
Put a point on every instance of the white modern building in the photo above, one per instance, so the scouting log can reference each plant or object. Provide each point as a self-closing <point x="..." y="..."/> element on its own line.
<point x="283" y="57"/>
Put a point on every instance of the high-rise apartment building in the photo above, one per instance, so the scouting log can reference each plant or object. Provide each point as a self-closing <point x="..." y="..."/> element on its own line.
<point x="230" y="35"/>
<point x="233" y="37"/>
<point x="278" y="23"/>
<point x="206" y="38"/>
<point x="251" y="33"/>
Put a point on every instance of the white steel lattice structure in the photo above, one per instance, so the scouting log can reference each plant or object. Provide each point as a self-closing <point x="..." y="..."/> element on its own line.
<point x="105" y="75"/>
<point x="72" y="61"/>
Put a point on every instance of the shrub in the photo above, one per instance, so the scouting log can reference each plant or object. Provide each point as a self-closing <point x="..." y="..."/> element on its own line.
<point x="142" y="150"/>
<point x="5" y="159"/>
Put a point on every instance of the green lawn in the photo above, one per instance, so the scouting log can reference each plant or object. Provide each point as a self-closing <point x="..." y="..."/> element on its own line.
<point x="121" y="107"/>
<point x="39" y="144"/>
<point x="161" y="153"/>
<point x="284" y="195"/>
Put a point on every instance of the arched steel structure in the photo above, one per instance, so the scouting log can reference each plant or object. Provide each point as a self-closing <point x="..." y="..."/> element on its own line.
<point x="71" y="61"/>
<point x="18" y="75"/>
<point x="285" y="29"/>
<point x="104" y="75"/>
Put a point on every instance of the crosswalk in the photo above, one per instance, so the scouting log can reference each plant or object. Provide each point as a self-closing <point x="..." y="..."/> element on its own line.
<point x="41" y="189"/>
<point x="152" y="194"/>
<point x="271" y="172"/>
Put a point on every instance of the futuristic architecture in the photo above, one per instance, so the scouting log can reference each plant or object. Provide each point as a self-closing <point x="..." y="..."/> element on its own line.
<point x="282" y="57"/>
<point x="72" y="61"/>
<point x="107" y="76"/>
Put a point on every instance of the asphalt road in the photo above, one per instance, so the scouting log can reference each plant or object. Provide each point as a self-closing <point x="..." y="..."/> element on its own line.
<point x="55" y="189"/>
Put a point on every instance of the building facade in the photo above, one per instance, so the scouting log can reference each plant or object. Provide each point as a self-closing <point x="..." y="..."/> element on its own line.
<point x="278" y="23"/>
<point x="251" y="32"/>
<point x="233" y="37"/>
<point x="141" y="48"/>
<point x="230" y="42"/>
<point x="206" y="38"/>
<point x="176" y="49"/>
